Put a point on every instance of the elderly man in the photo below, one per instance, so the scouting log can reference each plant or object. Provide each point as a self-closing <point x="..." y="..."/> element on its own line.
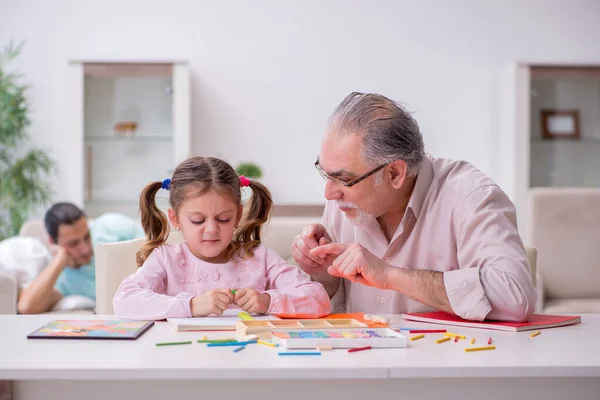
<point x="406" y="232"/>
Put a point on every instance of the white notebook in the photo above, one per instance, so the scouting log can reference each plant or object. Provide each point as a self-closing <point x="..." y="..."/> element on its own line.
<point x="225" y="322"/>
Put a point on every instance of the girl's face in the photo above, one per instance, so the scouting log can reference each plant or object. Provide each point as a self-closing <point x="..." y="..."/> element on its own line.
<point x="207" y="223"/>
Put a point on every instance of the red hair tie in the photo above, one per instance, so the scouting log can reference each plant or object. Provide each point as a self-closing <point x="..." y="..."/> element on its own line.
<point x="244" y="182"/>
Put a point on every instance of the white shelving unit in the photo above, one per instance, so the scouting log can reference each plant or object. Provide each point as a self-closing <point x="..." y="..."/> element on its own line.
<point x="568" y="161"/>
<point x="114" y="165"/>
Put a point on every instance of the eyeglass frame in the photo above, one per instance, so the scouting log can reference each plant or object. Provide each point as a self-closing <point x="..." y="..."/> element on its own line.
<point x="326" y="176"/>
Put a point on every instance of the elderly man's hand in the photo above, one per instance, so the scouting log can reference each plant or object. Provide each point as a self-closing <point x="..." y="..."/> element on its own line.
<point x="311" y="237"/>
<point x="355" y="263"/>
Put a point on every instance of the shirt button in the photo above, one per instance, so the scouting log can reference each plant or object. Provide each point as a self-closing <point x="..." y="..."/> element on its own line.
<point x="382" y="300"/>
<point x="387" y="260"/>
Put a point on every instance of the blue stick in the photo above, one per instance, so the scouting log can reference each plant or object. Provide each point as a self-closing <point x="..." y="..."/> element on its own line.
<point x="230" y="344"/>
<point x="239" y="349"/>
<point x="300" y="353"/>
<point x="406" y="329"/>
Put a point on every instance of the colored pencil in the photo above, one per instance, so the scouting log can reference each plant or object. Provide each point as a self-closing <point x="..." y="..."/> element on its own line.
<point x="359" y="349"/>
<point x="172" y="343"/>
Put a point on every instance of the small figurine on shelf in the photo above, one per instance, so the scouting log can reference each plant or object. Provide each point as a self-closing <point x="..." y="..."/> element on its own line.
<point x="125" y="128"/>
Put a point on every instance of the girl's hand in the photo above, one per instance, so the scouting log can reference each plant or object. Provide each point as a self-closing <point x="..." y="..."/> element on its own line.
<point x="212" y="302"/>
<point x="252" y="301"/>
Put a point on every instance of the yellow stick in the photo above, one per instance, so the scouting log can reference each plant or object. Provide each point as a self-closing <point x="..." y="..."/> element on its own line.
<point x="267" y="343"/>
<point x="245" y="316"/>
<point x="473" y="340"/>
<point x="417" y="337"/>
<point x="535" y="334"/>
<point x="442" y="340"/>
<point x="468" y="349"/>
<point x="204" y="338"/>
<point x="454" y="335"/>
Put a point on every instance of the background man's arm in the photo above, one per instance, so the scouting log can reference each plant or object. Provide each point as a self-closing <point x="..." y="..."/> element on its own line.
<point x="40" y="296"/>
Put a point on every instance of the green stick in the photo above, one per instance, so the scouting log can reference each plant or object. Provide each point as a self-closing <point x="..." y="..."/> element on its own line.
<point x="172" y="343"/>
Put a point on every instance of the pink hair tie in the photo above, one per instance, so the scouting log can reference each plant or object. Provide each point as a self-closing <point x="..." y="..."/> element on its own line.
<point x="244" y="182"/>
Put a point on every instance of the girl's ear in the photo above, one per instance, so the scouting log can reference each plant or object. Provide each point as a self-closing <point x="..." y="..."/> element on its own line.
<point x="173" y="218"/>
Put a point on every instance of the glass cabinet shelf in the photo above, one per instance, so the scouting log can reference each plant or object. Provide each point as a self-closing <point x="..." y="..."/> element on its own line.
<point x="128" y="138"/>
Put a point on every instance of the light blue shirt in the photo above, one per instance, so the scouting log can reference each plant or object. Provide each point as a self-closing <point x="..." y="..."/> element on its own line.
<point x="108" y="228"/>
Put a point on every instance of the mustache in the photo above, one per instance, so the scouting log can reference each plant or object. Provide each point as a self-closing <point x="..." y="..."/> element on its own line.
<point x="346" y="204"/>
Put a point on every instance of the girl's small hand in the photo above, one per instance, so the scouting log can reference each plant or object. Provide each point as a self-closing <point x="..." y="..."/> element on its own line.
<point x="252" y="301"/>
<point x="214" y="301"/>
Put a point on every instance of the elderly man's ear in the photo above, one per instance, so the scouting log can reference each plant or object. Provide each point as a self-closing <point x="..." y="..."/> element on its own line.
<point x="397" y="171"/>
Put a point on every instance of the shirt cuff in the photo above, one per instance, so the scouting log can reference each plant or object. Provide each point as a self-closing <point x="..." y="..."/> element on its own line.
<point x="275" y="301"/>
<point x="182" y="306"/>
<point x="466" y="295"/>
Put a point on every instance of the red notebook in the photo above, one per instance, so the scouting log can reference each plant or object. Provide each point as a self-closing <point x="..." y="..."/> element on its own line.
<point x="536" y="321"/>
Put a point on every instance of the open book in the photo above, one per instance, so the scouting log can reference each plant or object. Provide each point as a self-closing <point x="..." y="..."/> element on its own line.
<point x="536" y="321"/>
<point x="225" y="322"/>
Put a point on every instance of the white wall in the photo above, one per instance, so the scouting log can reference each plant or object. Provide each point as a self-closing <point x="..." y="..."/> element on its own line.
<point x="266" y="74"/>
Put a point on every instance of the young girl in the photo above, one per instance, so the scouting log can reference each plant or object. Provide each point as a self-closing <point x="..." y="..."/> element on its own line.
<point x="221" y="263"/>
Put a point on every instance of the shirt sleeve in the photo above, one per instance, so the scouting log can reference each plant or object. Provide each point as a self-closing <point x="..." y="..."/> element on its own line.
<point x="292" y="293"/>
<point x="494" y="279"/>
<point x="142" y="295"/>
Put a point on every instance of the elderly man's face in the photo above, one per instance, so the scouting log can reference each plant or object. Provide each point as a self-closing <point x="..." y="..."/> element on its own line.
<point x="341" y="158"/>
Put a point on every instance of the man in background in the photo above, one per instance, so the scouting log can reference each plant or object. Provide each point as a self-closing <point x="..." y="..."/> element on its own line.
<point x="70" y="271"/>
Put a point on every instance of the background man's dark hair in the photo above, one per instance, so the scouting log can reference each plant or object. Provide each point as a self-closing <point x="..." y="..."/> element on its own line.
<point x="61" y="213"/>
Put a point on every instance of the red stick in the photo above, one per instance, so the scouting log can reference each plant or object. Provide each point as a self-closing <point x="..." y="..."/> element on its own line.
<point x="455" y="339"/>
<point x="490" y="341"/>
<point x="359" y="349"/>
<point x="428" y="331"/>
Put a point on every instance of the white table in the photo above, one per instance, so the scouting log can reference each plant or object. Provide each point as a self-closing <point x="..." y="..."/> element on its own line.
<point x="559" y="363"/>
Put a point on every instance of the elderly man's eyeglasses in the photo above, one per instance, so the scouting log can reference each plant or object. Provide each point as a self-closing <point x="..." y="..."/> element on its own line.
<point x="326" y="176"/>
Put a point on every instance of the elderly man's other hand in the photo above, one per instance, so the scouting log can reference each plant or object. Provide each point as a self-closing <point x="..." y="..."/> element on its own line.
<point x="311" y="237"/>
<point x="355" y="263"/>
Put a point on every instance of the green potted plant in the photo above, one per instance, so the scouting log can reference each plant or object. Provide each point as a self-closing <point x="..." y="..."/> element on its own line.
<point x="23" y="186"/>
<point x="249" y="170"/>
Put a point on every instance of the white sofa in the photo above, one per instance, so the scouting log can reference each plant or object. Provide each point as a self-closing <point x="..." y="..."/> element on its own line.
<point x="115" y="261"/>
<point x="565" y="229"/>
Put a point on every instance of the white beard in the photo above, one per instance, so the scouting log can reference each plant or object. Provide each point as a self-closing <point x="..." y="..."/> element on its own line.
<point x="361" y="216"/>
